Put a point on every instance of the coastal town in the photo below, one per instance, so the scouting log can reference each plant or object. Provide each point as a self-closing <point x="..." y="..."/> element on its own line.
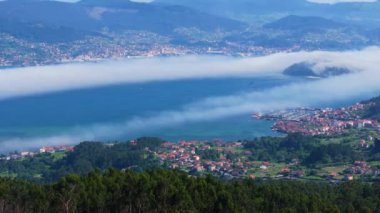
<point x="314" y="121"/>
<point x="125" y="45"/>
<point x="240" y="159"/>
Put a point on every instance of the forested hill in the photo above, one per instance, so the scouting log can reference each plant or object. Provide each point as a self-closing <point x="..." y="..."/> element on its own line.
<point x="87" y="157"/>
<point x="374" y="110"/>
<point x="173" y="191"/>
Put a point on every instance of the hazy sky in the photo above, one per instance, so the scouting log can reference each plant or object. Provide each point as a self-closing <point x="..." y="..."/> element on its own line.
<point x="340" y="1"/>
<point x="144" y="1"/>
<point x="313" y="1"/>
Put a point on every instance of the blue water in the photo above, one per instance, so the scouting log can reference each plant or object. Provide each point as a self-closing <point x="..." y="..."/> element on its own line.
<point x="44" y="115"/>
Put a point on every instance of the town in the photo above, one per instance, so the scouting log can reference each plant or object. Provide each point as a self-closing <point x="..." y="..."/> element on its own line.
<point x="327" y="121"/>
<point x="18" y="52"/>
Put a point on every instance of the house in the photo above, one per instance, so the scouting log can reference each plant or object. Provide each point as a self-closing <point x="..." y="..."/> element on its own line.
<point x="363" y="144"/>
<point x="285" y="170"/>
<point x="299" y="173"/>
<point x="360" y="163"/>
<point x="133" y="142"/>
<point x="199" y="168"/>
<point x="25" y="154"/>
<point x="294" y="161"/>
<point x="167" y="144"/>
<point x="348" y="178"/>
<point x="331" y="176"/>
<point x="47" y="149"/>
<point x="248" y="153"/>
<point x="212" y="168"/>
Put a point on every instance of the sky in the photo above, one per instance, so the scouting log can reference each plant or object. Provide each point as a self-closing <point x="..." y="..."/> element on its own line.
<point x="340" y="1"/>
<point x="362" y="83"/>
<point x="312" y="1"/>
<point x="73" y="1"/>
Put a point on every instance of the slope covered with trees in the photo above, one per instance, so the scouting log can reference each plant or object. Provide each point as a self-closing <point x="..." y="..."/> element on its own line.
<point x="87" y="157"/>
<point x="173" y="191"/>
<point x="374" y="110"/>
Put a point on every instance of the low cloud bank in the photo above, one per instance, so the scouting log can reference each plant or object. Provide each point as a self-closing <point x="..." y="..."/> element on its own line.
<point x="361" y="84"/>
<point x="47" y="79"/>
<point x="343" y="88"/>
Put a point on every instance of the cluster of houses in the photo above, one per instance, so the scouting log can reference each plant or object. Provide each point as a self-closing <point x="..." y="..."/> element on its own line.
<point x="189" y="156"/>
<point x="322" y="126"/>
<point x="231" y="160"/>
<point x="53" y="149"/>
<point x="362" y="168"/>
<point x="358" y="168"/>
<point x="321" y="121"/>
<point x="288" y="173"/>
<point x="42" y="150"/>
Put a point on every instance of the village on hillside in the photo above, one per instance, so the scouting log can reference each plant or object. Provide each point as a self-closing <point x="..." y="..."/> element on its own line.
<point x="227" y="160"/>
<point x="230" y="160"/>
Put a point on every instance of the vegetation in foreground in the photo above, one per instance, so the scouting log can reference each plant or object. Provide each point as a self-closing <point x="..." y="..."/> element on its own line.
<point x="174" y="191"/>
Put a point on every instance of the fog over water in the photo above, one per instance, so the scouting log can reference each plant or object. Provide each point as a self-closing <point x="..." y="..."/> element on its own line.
<point x="361" y="84"/>
<point x="46" y="79"/>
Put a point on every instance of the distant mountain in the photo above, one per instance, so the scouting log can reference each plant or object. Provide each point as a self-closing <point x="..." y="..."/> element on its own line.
<point x="245" y="6"/>
<point x="74" y="20"/>
<point x="374" y="111"/>
<point x="304" y="24"/>
<point x="306" y="69"/>
<point x="252" y="10"/>
<point x="308" y="32"/>
<point x="40" y="32"/>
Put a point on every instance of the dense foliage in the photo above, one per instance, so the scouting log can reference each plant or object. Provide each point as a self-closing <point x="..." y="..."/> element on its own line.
<point x="374" y="110"/>
<point x="173" y="191"/>
<point x="307" y="149"/>
<point x="86" y="157"/>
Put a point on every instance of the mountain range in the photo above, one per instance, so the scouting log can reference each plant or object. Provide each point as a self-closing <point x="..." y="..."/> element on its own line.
<point x="49" y="20"/>
<point x="41" y="20"/>
<point x="247" y="10"/>
<point x="47" y="32"/>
